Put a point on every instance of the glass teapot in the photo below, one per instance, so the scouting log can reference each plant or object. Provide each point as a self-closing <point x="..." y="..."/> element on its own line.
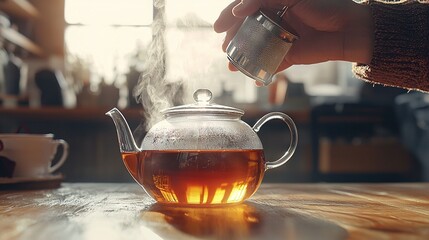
<point x="201" y="154"/>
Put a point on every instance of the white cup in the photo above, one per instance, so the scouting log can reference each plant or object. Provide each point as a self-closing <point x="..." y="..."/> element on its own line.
<point x="33" y="153"/>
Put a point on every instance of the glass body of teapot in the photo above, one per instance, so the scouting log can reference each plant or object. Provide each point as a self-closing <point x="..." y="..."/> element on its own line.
<point x="201" y="154"/>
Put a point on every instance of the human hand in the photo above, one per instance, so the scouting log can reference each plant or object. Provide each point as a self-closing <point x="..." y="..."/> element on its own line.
<point x="327" y="29"/>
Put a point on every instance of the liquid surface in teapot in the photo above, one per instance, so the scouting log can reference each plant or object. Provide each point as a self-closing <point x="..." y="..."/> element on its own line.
<point x="200" y="177"/>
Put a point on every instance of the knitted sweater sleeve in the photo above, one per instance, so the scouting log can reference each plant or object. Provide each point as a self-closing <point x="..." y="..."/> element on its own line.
<point x="401" y="46"/>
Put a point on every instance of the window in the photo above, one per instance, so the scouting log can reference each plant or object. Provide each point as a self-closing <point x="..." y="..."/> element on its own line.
<point x="104" y="44"/>
<point x="108" y="41"/>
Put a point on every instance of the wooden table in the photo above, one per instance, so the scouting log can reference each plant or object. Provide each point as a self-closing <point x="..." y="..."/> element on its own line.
<point x="276" y="211"/>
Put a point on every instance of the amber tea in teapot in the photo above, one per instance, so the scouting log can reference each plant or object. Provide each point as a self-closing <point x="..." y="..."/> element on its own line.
<point x="201" y="177"/>
<point x="200" y="154"/>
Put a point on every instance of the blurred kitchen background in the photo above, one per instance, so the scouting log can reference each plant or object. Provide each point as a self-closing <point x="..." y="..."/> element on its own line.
<point x="66" y="62"/>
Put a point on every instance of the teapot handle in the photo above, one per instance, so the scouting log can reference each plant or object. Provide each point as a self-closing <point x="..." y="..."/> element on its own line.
<point x="293" y="137"/>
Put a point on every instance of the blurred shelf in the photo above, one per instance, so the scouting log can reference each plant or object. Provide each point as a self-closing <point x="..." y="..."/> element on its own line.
<point x="21" y="41"/>
<point x="58" y="113"/>
<point x="19" y="8"/>
<point x="98" y="114"/>
<point x="299" y="116"/>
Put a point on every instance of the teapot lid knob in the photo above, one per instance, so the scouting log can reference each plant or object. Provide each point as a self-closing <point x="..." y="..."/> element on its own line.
<point x="203" y="96"/>
<point x="202" y="105"/>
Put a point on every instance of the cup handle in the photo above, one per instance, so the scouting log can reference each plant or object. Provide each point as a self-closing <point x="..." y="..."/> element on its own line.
<point x="64" y="155"/>
<point x="293" y="137"/>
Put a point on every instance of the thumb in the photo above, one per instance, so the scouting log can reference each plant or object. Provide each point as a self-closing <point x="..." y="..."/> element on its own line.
<point x="284" y="65"/>
<point x="246" y="8"/>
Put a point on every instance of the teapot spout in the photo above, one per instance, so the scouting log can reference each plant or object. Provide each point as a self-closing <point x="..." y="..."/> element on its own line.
<point x="125" y="137"/>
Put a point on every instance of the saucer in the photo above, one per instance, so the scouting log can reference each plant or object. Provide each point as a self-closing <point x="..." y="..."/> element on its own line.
<point x="31" y="183"/>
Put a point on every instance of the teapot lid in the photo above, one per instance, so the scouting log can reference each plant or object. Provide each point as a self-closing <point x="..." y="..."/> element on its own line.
<point x="202" y="104"/>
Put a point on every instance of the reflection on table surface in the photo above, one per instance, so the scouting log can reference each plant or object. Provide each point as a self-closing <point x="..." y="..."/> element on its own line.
<point x="243" y="221"/>
<point x="276" y="211"/>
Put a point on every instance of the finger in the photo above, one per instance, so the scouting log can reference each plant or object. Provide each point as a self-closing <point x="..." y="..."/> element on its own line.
<point x="246" y="8"/>
<point x="290" y="3"/>
<point x="230" y="34"/>
<point x="225" y="19"/>
<point x="231" y="67"/>
<point x="259" y="84"/>
<point x="284" y="65"/>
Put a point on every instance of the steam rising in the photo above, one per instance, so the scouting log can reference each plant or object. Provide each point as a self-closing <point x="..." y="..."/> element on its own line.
<point x="151" y="90"/>
<point x="194" y="63"/>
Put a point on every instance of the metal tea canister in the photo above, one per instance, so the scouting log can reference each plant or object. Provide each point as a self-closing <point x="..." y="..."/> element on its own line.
<point x="260" y="45"/>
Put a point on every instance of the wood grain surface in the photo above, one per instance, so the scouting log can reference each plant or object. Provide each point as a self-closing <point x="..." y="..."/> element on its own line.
<point x="276" y="211"/>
